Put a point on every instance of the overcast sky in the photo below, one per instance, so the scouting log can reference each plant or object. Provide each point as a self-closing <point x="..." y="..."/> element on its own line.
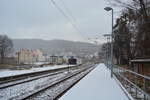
<point x="41" y="19"/>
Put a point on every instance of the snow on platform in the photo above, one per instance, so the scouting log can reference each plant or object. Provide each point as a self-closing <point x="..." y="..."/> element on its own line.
<point x="6" y="73"/>
<point x="97" y="85"/>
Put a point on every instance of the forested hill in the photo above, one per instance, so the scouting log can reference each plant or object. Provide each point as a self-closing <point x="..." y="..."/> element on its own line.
<point x="56" y="46"/>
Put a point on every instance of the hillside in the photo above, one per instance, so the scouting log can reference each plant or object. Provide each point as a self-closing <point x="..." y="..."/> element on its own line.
<point x="56" y="46"/>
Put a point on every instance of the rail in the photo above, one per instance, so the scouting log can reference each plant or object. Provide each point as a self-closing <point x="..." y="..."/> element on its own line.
<point x="72" y="72"/>
<point x="138" y="85"/>
<point x="27" y="77"/>
<point x="59" y="81"/>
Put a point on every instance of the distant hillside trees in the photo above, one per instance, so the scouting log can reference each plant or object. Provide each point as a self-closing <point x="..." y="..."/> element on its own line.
<point x="6" y="47"/>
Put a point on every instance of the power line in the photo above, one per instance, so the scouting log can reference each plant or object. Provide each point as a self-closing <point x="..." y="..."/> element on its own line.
<point x="74" y="20"/>
<point x="68" y="11"/>
<point x="67" y="17"/>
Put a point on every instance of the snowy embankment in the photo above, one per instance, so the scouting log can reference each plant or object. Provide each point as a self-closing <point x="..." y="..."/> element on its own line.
<point x="6" y="73"/>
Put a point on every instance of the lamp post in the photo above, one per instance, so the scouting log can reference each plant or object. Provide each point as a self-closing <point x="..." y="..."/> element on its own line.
<point x="111" y="9"/>
<point x="107" y="54"/>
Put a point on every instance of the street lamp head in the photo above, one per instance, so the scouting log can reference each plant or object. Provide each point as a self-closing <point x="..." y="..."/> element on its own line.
<point x="108" y="8"/>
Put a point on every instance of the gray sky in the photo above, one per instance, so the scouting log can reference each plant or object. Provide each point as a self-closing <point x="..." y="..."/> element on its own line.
<point x="41" y="19"/>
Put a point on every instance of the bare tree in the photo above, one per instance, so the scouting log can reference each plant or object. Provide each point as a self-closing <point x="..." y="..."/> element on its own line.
<point x="137" y="22"/>
<point x="6" y="47"/>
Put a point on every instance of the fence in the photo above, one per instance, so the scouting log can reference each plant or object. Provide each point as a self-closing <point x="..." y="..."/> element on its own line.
<point x="137" y="85"/>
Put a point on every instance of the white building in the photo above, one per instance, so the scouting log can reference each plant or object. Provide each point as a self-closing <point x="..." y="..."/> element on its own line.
<point x="26" y="56"/>
<point x="39" y="55"/>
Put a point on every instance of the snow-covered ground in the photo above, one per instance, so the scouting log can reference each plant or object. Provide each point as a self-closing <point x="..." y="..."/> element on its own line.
<point x="97" y="85"/>
<point x="17" y="91"/>
<point x="5" y="73"/>
<point x="14" y="92"/>
<point x="53" y="92"/>
<point x="25" y="88"/>
<point x="40" y="63"/>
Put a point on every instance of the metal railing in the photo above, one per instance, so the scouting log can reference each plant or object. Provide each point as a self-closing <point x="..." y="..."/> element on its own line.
<point x="137" y="85"/>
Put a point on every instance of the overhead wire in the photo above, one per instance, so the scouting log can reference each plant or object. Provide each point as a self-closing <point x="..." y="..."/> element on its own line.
<point x="68" y="18"/>
<point x="74" y="19"/>
<point x="68" y="11"/>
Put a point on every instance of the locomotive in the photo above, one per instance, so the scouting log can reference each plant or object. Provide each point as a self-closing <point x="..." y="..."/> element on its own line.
<point x="72" y="61"/>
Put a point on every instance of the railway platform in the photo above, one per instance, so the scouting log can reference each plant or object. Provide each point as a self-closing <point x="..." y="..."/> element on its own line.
<point x="97" y="85"/>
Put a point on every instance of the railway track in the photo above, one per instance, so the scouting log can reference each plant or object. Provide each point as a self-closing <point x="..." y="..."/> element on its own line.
<point x="23" y="78"/>
<point x="4" y="80"/>
<point x="38" y="93"/>
<point x="56" y="77"/>
<point x="9" y="84"/>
